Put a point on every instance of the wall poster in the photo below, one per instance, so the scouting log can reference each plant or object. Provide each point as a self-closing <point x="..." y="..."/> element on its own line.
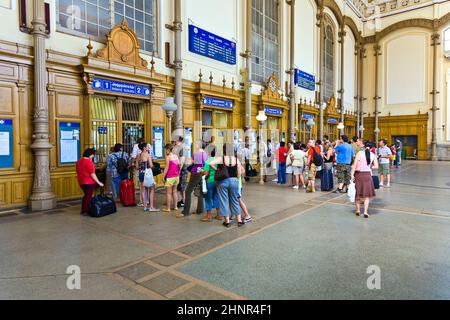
<point x="69" y="142"/>
<point x="6" y="143"/>
<point x="158" y="142"/>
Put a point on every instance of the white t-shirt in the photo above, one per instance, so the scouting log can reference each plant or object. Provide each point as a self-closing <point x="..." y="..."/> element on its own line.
<point x="384" y="151"/>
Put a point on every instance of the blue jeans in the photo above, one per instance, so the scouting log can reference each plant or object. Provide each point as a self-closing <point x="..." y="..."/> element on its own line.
<point x="282" y="172"/>
<point x="212" y="197"/>
<point x="228" y="190"/>
<point x="116" y="182"/>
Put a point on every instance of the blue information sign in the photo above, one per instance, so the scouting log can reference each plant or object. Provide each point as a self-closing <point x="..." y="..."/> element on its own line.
<point x="158" y="142"/>
<point x="305" y="80"/>
<point x="333" y="120"/>
<point x="307" y="116"/>
<point x="212" y="46"/>
<point x="6" y="143"/>
<point x="120" y="87"/>
<point x="217" y="102"/>
<point x="273" y="111"/>
<point x="69" y="142"/>
<point x="102" y="130"/>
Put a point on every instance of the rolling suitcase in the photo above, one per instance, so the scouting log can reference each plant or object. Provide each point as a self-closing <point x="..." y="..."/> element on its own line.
<point x="376" y="182"/>
<point x="101" y="206"/>
<point x="127" y="194"/>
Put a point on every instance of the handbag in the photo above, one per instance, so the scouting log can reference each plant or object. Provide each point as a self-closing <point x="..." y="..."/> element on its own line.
<point x="204" y="187"/>
<point x="351" y="192"/>
<point x="149" y="181"/>
<point x="156" y="169"/>
<point x="221" y="172"/>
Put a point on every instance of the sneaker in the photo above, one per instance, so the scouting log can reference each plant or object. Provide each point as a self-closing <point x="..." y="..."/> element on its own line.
<point x="140" y="204"/>
<point x="154" y="210"/>
<point x="180" y="204"/>
<point x="337" y="191"/>
<point x="249" y="219"/>
<point x="145" y="209"/>
<point x="295" y="187"/>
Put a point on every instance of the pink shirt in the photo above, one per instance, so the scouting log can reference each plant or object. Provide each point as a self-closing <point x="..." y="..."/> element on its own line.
<point x="173" y="170"/>
<point x="361" y="162"/>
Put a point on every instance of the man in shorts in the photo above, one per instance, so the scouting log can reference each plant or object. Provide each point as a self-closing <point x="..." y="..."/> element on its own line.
<point x="384" y="159"/>
<point x="344" y="158"/>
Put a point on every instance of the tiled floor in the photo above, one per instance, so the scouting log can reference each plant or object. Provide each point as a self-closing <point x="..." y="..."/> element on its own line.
<point x="299" y="246"/>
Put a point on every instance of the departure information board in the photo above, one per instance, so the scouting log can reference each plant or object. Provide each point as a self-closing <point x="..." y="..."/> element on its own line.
<point x="212" y="46"/>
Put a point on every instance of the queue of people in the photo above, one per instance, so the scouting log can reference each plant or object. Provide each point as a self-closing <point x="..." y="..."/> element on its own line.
<point x="343" y="160"/>
<point x="216" y="181"/>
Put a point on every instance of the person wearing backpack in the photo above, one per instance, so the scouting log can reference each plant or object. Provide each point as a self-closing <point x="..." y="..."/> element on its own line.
<point x="118" y="165"/>
<point x="314" y="160"/>
<point x="344" y="158"/>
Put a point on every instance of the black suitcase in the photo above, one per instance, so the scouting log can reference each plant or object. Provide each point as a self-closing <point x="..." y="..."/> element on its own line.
<point x="101" y="206"/>
<point x="376" y="182"/>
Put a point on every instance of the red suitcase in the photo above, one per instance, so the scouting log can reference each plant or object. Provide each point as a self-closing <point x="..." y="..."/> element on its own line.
<point x="127" y="196"/>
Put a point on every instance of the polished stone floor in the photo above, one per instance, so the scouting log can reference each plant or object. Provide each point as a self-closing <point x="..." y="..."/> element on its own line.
<point x="299" y="246"/>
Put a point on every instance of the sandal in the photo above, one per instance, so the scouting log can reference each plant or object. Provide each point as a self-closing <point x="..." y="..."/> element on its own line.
<point x="166" y="210"/>
<point x="179" y="215"/>
<point x="218" y="218"/>
<point x="206" y="219"/>
<point x="358" y="213"/>
<point x="366" y="215"/>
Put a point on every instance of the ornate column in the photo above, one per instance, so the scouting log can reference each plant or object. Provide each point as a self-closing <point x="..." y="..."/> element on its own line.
<point x="362" y="56"/>
<point x="292" y="103"/>
<point x="248" y="62"/>
<point x="341" y="35"/>
<point x="41" y="197"/>
<point x="356" y="98"/>
<point x="320" y="25"/>
<point x="178" y="65"/>
<point x="434" y="109"/>
<point x="377" y="53"/>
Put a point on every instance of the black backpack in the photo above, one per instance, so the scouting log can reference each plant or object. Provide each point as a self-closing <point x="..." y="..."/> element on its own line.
<point x="318" y="160"/>
<point x="121" y="164"/>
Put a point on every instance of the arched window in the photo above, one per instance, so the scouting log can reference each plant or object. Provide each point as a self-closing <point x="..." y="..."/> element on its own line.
<point x="265" y="39"/>
<point x="447" y="41"/>
<point x="328" y="63"/>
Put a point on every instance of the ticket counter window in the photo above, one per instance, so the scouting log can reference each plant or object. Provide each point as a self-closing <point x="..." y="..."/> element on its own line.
<point x="219" y="122"/>
<point x="349" y="131"/>
<point x="304" y="132"/>
<point x="332" y="132"/>
<point x="273" y="127"/>
<point x="133" y="126"/>
<point x="104" y="126"/>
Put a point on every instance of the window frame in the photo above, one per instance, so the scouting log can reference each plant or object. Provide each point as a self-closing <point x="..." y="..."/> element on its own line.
<point x="446" y="44"/>
<point x="328" y="23"/>
<point x="103" y="39"/>
<point x="264" y="39"/>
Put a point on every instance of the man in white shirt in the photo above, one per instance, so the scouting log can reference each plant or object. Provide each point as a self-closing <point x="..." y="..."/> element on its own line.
<point x="384" y="159"/>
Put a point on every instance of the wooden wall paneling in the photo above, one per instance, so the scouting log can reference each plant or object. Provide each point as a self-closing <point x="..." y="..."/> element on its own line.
<point x="5" y="192"/>
<point x="8" y="98"/>
<point x="69" y="104"/>
<point x="21" y="190"/>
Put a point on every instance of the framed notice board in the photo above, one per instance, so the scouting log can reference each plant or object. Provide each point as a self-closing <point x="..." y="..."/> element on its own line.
<point x="158" y="142"/>
<point x="6" y="144"/>
<point x="69" y="142"/>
